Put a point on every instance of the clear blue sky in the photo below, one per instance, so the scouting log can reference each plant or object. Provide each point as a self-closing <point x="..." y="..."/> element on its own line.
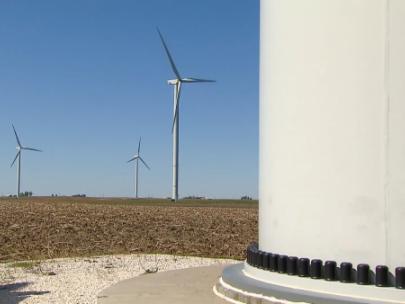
<point x="82" y="80"/>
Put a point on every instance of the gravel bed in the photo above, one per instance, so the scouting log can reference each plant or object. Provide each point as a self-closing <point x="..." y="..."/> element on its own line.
<point x="79" y="280"/>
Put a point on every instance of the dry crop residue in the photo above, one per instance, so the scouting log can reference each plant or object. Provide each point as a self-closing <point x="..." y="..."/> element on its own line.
<point x="43" y="229"/>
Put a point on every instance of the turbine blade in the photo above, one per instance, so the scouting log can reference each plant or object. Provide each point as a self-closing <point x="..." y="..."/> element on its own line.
<point x="188" y="80"/>
<point x="176" y="110"/>
<point x="18" y="153"/>
<point x="133" y="158"/>
<point x="139" y="145"/>
<point x="144" y="162"/>
<point x="31" y="149"/>
<point x="16" y="137"/>
<point x="176" y="72"/>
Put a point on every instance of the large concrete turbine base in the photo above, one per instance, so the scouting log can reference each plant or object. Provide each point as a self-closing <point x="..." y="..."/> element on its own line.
<point x="242" y="283"/>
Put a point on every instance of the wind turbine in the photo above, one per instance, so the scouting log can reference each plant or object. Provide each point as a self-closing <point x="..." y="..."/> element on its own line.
<point x="176" y="83"/>
<point x="19" y="152"/>
<point x="138" y="158"/>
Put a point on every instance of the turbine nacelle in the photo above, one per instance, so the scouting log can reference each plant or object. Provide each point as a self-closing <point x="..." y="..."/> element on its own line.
<point x="187" y="80"/>
<point x="173" y="81"/>
<point x="133" y="158"/>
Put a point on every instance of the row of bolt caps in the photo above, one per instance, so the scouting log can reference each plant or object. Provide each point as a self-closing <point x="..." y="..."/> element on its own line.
<point x="314" y="269"/>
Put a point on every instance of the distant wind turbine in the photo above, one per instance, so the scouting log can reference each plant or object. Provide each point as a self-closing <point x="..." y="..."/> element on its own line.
<point x="19" y="152"/>
<point x="137" y="157"/>
<point x="177" y="82"/>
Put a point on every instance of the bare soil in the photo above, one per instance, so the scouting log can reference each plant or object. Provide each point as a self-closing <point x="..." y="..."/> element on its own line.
<point x="42" y="228"/>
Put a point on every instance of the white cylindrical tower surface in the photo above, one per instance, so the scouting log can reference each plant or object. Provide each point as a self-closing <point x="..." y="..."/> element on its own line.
<point x="332" y="130"/>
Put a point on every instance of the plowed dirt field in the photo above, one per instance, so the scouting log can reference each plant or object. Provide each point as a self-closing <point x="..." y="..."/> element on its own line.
<point x="42" y="228"/>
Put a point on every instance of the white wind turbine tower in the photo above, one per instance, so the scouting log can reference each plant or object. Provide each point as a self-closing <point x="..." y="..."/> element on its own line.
<point x="19" y="151"/>
<point x="176" y="83"/>
<point x="138" y="158"/>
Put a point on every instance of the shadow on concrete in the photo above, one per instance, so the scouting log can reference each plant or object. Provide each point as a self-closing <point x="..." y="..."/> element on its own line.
<point x="12" y="294"/>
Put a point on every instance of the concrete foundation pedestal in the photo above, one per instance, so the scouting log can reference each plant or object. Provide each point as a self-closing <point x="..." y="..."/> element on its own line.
<point x="245" y="284"/>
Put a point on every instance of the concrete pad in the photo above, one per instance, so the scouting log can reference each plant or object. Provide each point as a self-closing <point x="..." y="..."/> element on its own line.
<point x="191" y="285"/>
